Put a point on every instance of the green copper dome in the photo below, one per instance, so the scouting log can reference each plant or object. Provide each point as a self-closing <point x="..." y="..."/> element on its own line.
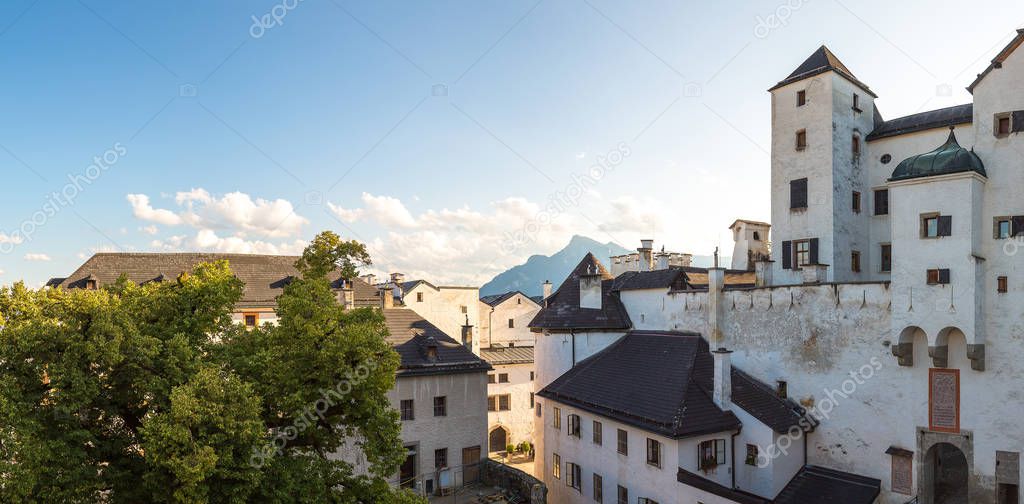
<point x="950" y="157"/>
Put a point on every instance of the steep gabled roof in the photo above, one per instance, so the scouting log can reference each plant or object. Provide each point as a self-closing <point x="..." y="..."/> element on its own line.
<point x="410" y="334"/>
<point x="944" y="117"/>
<point x="997" y="62"/>
<point x="496" y="299"/>
<point x="818" y="484"/>
<point x="563" y="311"/>
<point x="819" y="62"/>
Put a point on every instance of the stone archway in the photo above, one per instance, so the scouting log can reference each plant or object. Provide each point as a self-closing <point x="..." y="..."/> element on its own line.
<point x="497" y="440"/>
<point x="903" y="350"/>
<point x="947" y="466"/>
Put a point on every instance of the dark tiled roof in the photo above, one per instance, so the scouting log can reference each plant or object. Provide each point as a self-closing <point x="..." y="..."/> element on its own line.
<point x="941" y="118"/>
<point x="650" y="380"/>
<point x="671" y="278"/>
<point x="948" y="158"/>
<point x="763" y="403"/>
<point x="409" y="336"/>
<point x="997" y="62"/>
<point x="697" y="278"/>
<point x="507" y="355"/>
<point x="497" y="299"/>
<point x="563" y="310"/>
<point x="265" y="276"/>
<point x="826" y="486"/>
<point x="688" y="478"/>
<point x="819" y="62"/>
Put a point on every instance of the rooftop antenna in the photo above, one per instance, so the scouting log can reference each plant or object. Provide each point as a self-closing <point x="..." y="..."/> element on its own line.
<point x="716" y="257"/>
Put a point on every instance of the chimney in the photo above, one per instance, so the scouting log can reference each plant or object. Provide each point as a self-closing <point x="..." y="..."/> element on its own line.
<point x="547" y="288"/>
<point x="723" y="378"/>
<point x="398" y="278"/>
<point x="716" y="306"/>
<point x="467" y="334"/>
<point x="387" y="298"/>
<point x="370" y="278"/>
<point x="646" y="251"/>
<point x="763" y="272"/>
<point x="590" y="289"/>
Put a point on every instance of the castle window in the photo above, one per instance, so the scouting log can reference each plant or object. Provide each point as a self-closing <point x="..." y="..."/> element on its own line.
<point x="573" y="472"/>
<point x="406" y="409"/>
<point x="1001" y="285"/>
<point x="855" y="146"/>
<point x="502" y="377"/>
<point x="623" y="442"/>
<point x="802" y="252"/>
<point x="801" y="140"/>
<point x="574" y="426"/>
<point x="419" y="297"/>
<point x="801" y="98"/>
<point x="440" y="458"/>
<point x="856" y="102"/>
<point x="1003" y="124"/>
<point x="250" y="319"/>
<point x="557" y="418"/>
<point x="856" y="201"/>
<point x="653" y="452"/>
<point x="441" y="406"/>
<point x="886" y="253"/>
<point x="623" y="495"/>
<point x="855" y="261"/>
<point x="1002" y="227"/>
<point x="511" y="323"/>
<point x="598" y="488"/>
<point x="757" y="236"/>
<point x="886" y="158"/>
<point x="798" y="193"/>
<point x="711" y="454"/>
<point x="598" y="433"/>
<point x="556" y="466"/>
<point x="938" y="276"/>
<point x="881" y="202"/>
<point x="751" y="455"/>
<point x="465" y="309"/>
<point x="935" y="225"/>
<point x="491" y="378"/>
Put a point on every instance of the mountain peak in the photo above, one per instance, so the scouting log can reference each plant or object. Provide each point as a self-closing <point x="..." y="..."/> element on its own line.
<point x="529" y="276"/>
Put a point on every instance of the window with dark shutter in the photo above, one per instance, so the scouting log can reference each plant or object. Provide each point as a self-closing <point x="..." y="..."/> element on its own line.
<point x="886" y="257"/>
<point x="1017" y="226"/>
<point x="814" y="251"/>
<point x="798" y="193"/>
<point x="1018" y="121"/>
<point x="881" y="202"/>
<point x="938" y="276"/>
<point x="943" y="276"/>
<point x="945" y="225"/>
<point x="787" y="255"/>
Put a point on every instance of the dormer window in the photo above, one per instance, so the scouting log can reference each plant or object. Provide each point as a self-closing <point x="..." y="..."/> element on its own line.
<point x="91" y="283"/>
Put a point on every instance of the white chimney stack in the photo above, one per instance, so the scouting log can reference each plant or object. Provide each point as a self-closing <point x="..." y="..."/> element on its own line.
<point x="716" y="307"/>
<point x="547" y="288"/>
<point x="590" y="289"/>
<point x="646" y="251"/>
<point x="723" y="378"/>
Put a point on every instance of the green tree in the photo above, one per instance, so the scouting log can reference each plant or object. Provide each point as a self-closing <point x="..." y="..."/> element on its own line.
<point x="149" y="393"/>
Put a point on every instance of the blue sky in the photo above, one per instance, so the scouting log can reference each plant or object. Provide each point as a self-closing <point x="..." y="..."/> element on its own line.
<point x="441" y="133"/>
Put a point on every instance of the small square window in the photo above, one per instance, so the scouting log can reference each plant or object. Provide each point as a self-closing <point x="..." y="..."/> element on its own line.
<point x="1002" y="287"/>
<point x="511" y="323"/>
<point x="492" y="378"/>
<point x="465" y="309"/>
<point x="855" y="261"/>
<point x="751" y="455"/>
<point x="881" y="202"/>
<point x="1003" y="227"/>
<point x="856" y="102"/>
<point x="801" y="140"/>
<point x="801" y="98"/>
<point x="492" y="403"/>
<point x="419" y="297"/>
<point x="504" y="402"/>
<point x="938" y="276"/>
<point x="251" y="319"/>
<point x="440" y="458"/>
<point x="855" y="146"/>
<point x="440" y="406"/>
<point x="407" y="410"/>
<point x="856" y="201"/>
<point x="930" y="227"/>
<point x="1004" y="124"/>
<point x="502" y="377"/>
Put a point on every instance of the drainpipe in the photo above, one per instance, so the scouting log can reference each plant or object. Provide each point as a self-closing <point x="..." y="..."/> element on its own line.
<point x="572" y="334"/>
<point x="732" y="455"/>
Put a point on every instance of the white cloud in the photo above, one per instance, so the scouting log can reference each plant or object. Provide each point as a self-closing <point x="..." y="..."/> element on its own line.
<point x="150" y="229"/>
<point x="236" y="213"/>
<point x="207" y="240"/>
<point x="632" y="216"/>
<point x="4" y="238"/>
<point x="388" y="211"/>
<point x="37" y="257"/>
<point x="141" y="209"/>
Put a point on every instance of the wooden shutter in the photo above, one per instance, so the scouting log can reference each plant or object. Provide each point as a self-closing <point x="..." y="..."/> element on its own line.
<point x="814" y="250"/>
<point x="1017" y="225"/>
<point x="945" y="225"/>
<point x="787" y="255"/>
<point x="798" y="193"/>
<point x="1017" y="121"/>
<point x="943" y="276"/>
<point x="882" y="202"/>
